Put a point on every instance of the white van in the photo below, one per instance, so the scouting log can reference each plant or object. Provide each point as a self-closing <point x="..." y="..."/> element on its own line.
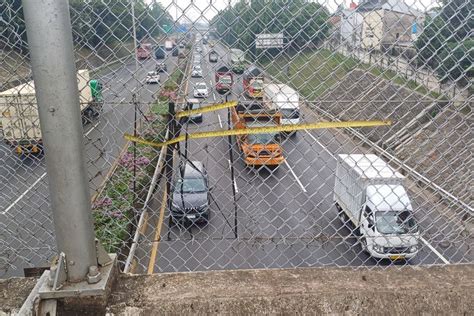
<point x="284" y="99"/>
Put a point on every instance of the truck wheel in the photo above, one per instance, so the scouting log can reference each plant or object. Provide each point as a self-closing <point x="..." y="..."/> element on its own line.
<point x="363" y="244"/>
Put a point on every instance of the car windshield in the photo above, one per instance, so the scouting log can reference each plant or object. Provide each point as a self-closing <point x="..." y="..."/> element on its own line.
<point x="290" y="113"/>
<point x="195" y="106"/>
<point x="191" y="185"/>
<point x="152" y="73"/>
<point x="201" y="86"/>
<point x="395" y="222"/>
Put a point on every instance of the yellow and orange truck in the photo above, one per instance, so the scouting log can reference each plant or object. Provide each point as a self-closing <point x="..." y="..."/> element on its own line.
<point x="263" y="149"/>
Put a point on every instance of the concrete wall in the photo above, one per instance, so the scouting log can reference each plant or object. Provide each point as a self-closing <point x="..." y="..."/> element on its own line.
<point x="314" y="291"/>
<point x="364" y="291"/>
<point x="372" y="29"/>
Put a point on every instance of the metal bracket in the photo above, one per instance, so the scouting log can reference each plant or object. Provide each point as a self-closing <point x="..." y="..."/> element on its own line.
<point x="103" y="258"/>
<point x="58" y="272"/>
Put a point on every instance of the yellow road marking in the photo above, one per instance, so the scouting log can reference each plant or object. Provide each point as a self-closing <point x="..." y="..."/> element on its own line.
<point x="205" y="109"/>
<point x="156" y="240"/>
<point x="261" y="130"/>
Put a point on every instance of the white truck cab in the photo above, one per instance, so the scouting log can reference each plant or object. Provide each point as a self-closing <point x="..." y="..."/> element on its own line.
<point x="284" y="99"/>
<point x="370" y="194"/>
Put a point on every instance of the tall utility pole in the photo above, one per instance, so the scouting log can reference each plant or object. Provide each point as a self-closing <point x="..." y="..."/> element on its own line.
<point x="134" y="30"/>
<point x="49" y="31"/>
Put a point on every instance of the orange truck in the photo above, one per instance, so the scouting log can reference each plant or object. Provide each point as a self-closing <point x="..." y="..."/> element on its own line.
<point x="263" y="149"/>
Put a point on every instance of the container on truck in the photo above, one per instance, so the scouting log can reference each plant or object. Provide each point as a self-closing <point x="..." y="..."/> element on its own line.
<point x="19" y="112"/>
<point x="237" y="60"/>
<point x="144" y="51"/>
<point x="224" y="80"/>
<point x="370" y="195"/>
<point x="168" y="44"/>
<point x="262" y="149"/>
<point x="253" y="82"/>
<point x="284" y="99"/>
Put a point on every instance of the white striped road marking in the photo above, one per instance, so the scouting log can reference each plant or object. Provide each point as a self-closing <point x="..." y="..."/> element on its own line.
<point x="294" y="175"/>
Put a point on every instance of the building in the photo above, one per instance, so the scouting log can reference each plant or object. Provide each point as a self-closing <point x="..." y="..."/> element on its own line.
<point x="388" y="24"/>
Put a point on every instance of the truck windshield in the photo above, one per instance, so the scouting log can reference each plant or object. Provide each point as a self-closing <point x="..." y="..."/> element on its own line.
<point x="290" y="113"/>
<point x="225" y="80"/>
<point x="264" y="138"/>
<point x="395" y="222"/>
<point x="257" y="85"/>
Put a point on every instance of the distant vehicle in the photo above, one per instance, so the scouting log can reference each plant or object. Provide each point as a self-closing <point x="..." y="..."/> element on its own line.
<point x="197" y="72"/>
<point x="199" y="49"/>
<point x="160" y="52"/>
<point x="237" y="60"/>
<point x="19" y="116"/>
<point x="258" y="149"/>
<point x="175" y="51"/>
<point x="253" y="82"/>
<point x="152" y="77"/>
<point x="161" y="67"/>
<point x="144" y="51"/>
<point x="284" y="99"/>
<point x="194" y="104"/>
<point x="213" y="57"/>
<point x="370" y="195"/>
<point x="191" y="194"/>
<point x="200" y="90"/>
<point x="168" y="44"/>
<point x="204" y="40"/>
<point x="224" y="80"/>
<point x="181" y="45"/>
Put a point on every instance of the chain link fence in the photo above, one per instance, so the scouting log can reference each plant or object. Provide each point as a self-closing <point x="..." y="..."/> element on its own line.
<point x="357" y="196"/>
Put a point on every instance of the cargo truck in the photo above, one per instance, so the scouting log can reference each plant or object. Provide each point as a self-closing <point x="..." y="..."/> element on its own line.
<point x="370" y="196"/>
<point x="237" y="60"/>
<point x="253" y="82"/>
<point x="224" y="80"/>
<point x="258" y="149"/>
<point x="284" y="99"/>
<point x="19" y="112"/>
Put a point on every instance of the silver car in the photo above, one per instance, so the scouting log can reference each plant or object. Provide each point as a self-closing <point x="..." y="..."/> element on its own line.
<point x="191" y="194"/>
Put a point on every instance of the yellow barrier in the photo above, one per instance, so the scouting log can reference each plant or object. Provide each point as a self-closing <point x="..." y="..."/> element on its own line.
<point x="259" y="130"/>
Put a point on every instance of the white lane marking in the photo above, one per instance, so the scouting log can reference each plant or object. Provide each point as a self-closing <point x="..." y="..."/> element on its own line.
<point x="319" y="143"/>
<point x="36" y="182"/>
<point x="294" y="175"/>
<point x="233" y="180"/>
<point x="220" y="122"/>
<point x="214" y="96"/>
<point x="435" y="251"/>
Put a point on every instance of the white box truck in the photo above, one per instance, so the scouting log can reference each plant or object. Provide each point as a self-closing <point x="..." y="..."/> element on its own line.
<point x="369" y="194"/>
<point x="19" y="112"/>
<point x="283" y="99"/>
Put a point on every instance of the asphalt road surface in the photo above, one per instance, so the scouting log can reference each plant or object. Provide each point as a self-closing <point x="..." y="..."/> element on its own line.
<point x="277" y="218"/>
<point x="26" y="228"/>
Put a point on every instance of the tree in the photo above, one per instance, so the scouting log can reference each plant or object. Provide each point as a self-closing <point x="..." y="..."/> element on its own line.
<point x="445" y="45"/>
<point x="302" y="22"/>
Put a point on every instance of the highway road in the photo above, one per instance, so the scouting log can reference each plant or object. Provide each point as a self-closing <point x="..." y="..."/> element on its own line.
<point x="27" y="236"/>
<point x="277" y="218"/>
<point x="283" y="217"/>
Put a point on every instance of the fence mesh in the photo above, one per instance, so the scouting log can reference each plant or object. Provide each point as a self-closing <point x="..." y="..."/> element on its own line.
<point x="361" y="196"/>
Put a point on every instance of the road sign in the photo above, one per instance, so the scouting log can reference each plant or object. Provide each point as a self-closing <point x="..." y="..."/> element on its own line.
<point x="264" y="41"/>
<point x="167" y="28"/>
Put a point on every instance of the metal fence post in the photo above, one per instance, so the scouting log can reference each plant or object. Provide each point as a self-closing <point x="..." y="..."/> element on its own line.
<point x="49" y="33"/>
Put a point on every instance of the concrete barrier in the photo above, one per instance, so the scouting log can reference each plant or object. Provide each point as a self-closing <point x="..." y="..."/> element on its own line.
<point x="377" y="290"/>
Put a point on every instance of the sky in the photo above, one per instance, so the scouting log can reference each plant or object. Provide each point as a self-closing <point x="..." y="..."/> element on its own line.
<point x="194" y="9"/>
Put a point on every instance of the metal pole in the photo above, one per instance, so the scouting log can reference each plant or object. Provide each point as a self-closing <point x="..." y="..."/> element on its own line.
<point x="48" y="27"/>
<point x="134" y="30"/>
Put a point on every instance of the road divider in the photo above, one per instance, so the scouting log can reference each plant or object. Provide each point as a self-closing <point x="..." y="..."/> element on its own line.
<point x="206" y="109"/>
<point x="259" y="130"/>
